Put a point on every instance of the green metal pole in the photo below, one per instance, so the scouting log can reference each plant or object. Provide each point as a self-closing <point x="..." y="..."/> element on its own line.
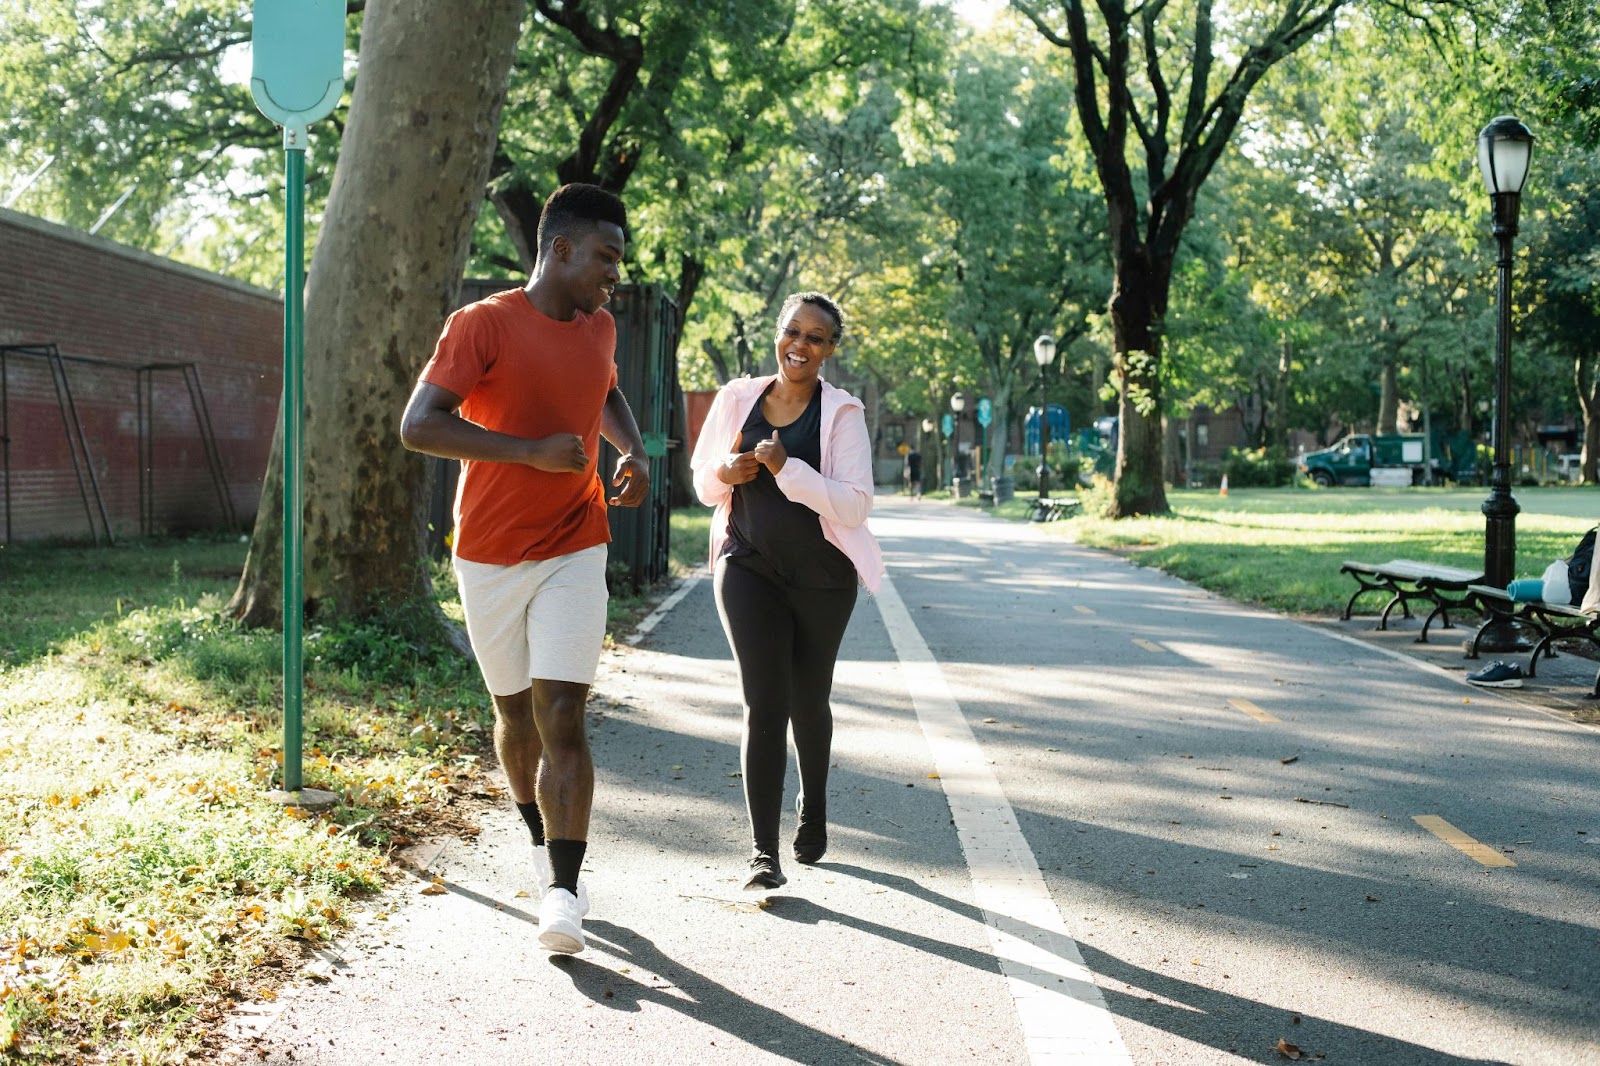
<point x="293" y="403"/>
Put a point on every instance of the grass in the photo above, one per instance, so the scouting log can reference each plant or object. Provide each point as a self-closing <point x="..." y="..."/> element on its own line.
<point x="1282" y="548"/>
<point x="146" y="880"/>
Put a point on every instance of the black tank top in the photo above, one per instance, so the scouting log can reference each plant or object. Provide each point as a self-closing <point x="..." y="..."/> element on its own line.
<point x="772" y="534"/>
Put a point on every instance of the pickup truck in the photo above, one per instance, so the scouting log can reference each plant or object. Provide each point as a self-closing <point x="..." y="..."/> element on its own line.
<point x="1398" y="458"/>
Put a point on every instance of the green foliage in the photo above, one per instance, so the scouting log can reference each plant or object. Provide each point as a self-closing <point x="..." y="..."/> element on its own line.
<point x="148" y="99"/>
<point x="1099" y="497"/>
<point x="1258" y="468"/>
<point x="1008" y="245"/>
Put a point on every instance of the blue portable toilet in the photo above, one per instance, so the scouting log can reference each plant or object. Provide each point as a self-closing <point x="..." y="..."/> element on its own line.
<point x="1060" y="425"/>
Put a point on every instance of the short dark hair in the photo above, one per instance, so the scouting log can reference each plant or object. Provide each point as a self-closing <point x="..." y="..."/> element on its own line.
<point x="574" y="209"/>
<point x="815" y="299"/>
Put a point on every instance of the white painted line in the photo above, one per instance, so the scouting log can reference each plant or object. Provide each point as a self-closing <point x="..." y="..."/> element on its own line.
<point x="1063" y="1014"/>
<point x="685" y="586"/>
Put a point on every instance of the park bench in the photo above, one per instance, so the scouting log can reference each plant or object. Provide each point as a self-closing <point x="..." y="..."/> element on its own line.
<point x="1055" y="507"/>
<point x="1404" y="580"/>
<point x="1554" y="621"/>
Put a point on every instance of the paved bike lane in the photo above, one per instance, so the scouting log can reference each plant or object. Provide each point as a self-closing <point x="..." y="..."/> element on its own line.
<point x="1259" y="831"/>
<point x="1218" y="807"/>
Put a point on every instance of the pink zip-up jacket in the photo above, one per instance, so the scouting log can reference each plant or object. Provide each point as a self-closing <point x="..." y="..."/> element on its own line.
<point x="840" y="493"/>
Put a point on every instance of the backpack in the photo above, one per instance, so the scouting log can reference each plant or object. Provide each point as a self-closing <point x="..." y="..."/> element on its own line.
<point x="1579" y="566"/>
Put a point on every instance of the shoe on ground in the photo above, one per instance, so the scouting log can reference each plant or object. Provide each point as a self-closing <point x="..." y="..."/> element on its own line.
<point x="543" y="875"/>
<point x="765" y="874"/>
<point x="811" y="838"/>
<point x="1498" y="674"/>
<point x="560" y="922"/>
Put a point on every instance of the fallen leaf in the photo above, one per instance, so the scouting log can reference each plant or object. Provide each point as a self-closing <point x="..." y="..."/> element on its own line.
<point x="933" y="775"/>
<point x="1287" y="1050"/>
<point x="989" y="721"/>
<point x="434" y="888"/>
<point x="1290" y="759"/>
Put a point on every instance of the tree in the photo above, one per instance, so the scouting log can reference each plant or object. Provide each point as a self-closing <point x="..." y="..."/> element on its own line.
<point x="1567" y="273"/>
<point x="386" y="272"/>
<point x="125" y="106"/>
<point x="1146" y="87"/>
<point x="1020" y="242"/>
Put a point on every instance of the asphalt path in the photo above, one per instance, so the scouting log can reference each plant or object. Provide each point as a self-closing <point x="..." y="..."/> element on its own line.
<point x="1082" y="813"/>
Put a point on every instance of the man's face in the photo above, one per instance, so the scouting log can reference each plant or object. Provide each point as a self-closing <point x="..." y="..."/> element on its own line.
<point x="594" y="266"/>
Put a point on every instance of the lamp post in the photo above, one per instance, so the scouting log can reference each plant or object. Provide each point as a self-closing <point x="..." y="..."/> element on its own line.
<point x="958" y="404"/>
<point x="1505" y="147"/>
<point x="1044" y="353"/>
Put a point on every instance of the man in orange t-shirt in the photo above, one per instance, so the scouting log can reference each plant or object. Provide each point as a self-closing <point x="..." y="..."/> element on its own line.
<point x="520" y="388"/>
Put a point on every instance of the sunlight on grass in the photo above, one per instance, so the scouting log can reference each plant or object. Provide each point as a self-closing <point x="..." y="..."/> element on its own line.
<point x="145" y="871"/>
<point x="1283" y="548"/>
<point x="146" y="880"/>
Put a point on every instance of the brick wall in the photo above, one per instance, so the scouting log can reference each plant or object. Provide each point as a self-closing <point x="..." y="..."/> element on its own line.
<point x="110" y="309"/>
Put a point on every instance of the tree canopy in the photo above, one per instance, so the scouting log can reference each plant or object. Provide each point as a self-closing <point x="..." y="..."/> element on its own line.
<point x="1271" y="210"/>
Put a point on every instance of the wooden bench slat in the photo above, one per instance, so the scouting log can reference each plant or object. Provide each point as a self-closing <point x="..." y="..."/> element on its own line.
<point x="1408" y="579"/>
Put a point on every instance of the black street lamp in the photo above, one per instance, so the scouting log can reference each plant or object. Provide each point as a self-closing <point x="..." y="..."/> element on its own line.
<point x="958" y="404"/>
<point x="1504" y="149"/>
<point x="1044" y="353"/>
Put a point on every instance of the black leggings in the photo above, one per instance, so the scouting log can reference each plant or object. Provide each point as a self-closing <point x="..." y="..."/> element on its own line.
<point x="785" y="641"/>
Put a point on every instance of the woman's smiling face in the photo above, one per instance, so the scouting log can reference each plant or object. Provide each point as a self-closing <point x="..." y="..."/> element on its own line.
<point x="805" y="341"/>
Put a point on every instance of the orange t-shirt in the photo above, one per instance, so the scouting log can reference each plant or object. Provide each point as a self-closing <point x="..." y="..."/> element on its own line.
<point x="525" y="374"/>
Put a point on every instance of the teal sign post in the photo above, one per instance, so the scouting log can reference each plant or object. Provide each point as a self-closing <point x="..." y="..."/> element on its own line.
<point x="296" y="77"/>
<point x="985" y="412"/>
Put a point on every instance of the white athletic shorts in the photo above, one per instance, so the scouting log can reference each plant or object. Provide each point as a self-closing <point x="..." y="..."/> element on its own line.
<point x="541" y="620"/>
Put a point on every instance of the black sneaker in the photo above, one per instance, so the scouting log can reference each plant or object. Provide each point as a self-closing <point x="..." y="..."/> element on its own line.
<point x="765" y="874"/>
<point x="1498" y="674"/>
<point x="811" y="838"/>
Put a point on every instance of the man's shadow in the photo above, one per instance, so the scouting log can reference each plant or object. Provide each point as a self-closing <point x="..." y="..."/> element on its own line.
<point x="699" y="998"/>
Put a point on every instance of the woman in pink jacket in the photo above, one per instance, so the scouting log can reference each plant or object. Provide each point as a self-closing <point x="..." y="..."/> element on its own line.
<point x="787" y="462"/>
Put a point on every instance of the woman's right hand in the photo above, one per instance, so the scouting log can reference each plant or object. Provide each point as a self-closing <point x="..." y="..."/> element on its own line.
<point x="739" y="467"/>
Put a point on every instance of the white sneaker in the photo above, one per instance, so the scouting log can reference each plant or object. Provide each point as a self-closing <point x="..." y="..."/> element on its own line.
<point x="560" y="923"/>
<point x="543" y="875"/>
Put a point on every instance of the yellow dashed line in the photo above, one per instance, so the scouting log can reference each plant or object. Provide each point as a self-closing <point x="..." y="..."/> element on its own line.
<point x="1460" y="841"/>
<point x="1081" y="609"/>
<point x="1252" y="710"/>
<point x="1148" y="645"/>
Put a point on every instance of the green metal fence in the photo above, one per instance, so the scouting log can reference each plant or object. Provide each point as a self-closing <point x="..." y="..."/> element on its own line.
<point x="647" y="371"/>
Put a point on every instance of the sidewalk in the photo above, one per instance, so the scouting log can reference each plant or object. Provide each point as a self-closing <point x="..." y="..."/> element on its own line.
<point x="1560" y="686"/>
<point x="1219" y="806"/>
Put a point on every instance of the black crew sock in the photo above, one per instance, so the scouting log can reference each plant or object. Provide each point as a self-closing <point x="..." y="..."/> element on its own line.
<point x="530" y="814"/>
<point x="566" y="861"/>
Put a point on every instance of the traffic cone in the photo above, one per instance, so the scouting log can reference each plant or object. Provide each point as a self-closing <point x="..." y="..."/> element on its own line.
<point x="1224" y="490"/>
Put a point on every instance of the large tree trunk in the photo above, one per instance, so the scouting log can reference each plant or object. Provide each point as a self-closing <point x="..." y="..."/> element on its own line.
<point x="1138" y="313"/>
<point x="1588" y="389"/>
<point x="1173" y="457"/>
<point x="1280" y="395"/>
<point x="998" y="435"/>
<point x="1388" y="400"/>
<point x="386" y="272"/>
